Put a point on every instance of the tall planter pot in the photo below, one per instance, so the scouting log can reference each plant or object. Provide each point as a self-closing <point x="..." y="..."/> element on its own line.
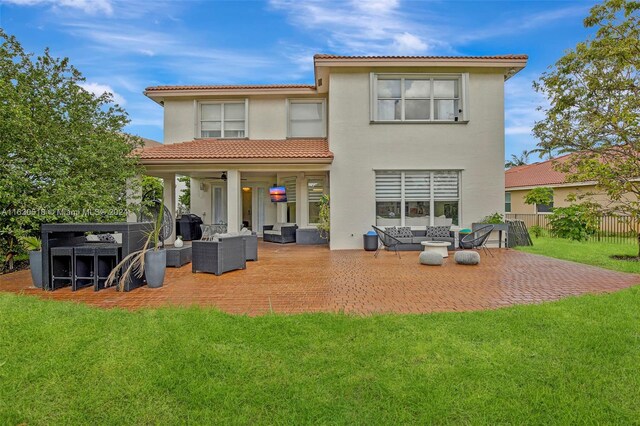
<point x="155" y="265"/>
<point x="35" y="263"/>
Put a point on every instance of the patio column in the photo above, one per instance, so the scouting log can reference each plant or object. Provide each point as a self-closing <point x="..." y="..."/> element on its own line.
<point x="169" y="199"/>
<point x="234" y="209"/>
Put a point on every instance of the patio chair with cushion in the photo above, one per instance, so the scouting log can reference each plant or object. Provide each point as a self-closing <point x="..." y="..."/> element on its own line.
<point x="218" y="257"/>
<point x="386" y="240"/>
<point x="477" y="239"/>
<point x="280" y="233"/>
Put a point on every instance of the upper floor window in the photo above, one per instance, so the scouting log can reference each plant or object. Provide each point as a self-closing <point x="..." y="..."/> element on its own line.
<point x="306" y="118"/>
<point x="223" y="119"/>
<point x="418" y="97"/>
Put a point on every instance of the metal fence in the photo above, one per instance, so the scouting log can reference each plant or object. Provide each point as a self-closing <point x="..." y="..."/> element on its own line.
<point x="612" y="229"/>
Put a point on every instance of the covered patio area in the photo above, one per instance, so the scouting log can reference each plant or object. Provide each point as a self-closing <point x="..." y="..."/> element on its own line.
<point x="300" y="279"/>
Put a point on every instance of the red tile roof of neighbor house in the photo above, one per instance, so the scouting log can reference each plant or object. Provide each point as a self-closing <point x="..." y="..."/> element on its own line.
<point x="507" y="57"/>
<point x="215" y="149"/>
<point x="537" y="174"/>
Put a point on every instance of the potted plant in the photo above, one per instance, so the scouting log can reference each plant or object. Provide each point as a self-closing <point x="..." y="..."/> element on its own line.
<point x="34" y="246"/>
<point x="150" y="261"/>
<point x="324" y="225"/>
<point x="155" y="260"/>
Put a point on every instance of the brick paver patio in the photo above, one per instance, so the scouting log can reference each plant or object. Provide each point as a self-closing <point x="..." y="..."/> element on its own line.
<point x="294" y="279"/>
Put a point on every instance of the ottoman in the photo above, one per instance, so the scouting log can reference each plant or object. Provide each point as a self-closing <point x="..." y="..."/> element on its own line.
<point x="431" y="258"/>
<point x="467" y="257"/>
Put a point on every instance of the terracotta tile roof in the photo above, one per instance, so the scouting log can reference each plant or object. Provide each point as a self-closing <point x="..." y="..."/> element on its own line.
<point x="535" y="174"/>
<point x="507" y="57"/>
<point x="217" y="149"/>
<point x="232" y="87"/>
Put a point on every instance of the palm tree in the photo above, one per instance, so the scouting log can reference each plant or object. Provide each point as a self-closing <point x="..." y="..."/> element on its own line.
<point x="518" y="160"/>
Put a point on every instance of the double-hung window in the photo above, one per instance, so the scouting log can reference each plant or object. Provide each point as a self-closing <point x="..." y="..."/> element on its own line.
<point x="418" y="97"/>
<point x="307" y="118"/>
<point x="223" y="119"/>
<point x="417" y="197"/>
<point x="507" y="202"/>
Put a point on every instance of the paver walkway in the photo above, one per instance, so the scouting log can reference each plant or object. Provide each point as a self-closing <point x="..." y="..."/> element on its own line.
<point x="294" y="279"/>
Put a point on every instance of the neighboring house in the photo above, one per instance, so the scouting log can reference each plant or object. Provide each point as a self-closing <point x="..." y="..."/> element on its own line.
<point x="394" y="140"/>
<point x="522" y="179"/>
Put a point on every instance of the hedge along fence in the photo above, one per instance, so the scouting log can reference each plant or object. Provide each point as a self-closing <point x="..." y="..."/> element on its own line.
<point x="612" y="229"/>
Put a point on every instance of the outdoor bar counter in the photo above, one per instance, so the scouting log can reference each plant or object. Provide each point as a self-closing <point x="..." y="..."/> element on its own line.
<point x="72" y="235"/>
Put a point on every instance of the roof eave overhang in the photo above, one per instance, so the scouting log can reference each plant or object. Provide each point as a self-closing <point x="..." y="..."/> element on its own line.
<point x="508" y="66"/>
<point x="159" y="95"/>
<point x="153" y="162"/>
<point x="551" y="185"/>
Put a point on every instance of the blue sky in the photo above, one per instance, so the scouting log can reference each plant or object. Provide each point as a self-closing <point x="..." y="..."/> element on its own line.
<point x="125" y="46"/>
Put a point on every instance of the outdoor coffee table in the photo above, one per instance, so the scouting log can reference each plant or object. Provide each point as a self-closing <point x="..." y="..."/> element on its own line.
<point x="439" y="247"/>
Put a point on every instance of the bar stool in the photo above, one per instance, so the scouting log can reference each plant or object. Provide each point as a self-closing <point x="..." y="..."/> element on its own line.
<point x="84" y="259"/>
<point x="62" y="270"/>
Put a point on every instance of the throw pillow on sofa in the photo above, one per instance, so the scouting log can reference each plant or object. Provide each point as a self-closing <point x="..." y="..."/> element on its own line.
<point x="392" y="231"/>
<point x="404" y="232"/>
<point x="438" y="231"/>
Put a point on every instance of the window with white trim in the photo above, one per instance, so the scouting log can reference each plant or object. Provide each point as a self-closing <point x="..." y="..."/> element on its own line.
<point x="306" y="118"/>
<point x="418" y="97"/>
<point x="507" y="202"/>
<point x="315" y="190"/>
<point x="223" y="119"/>
<point x="417" y="198"/>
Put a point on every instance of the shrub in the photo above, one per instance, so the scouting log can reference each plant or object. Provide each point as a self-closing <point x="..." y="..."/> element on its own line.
<point x="536" y="230"/>
<point x="576" y="222"/>
<point x="494" y="219"/>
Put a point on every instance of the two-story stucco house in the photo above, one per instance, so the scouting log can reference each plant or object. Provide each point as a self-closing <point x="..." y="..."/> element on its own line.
<point x="393" y="140"/>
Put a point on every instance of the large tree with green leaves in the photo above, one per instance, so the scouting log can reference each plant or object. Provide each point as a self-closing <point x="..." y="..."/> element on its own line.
<point x="594" y="106"/>
<point x="63" y="154"/>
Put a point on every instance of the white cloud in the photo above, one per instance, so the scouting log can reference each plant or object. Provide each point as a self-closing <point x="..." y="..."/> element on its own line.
<point x="408" y="43"/>
<point x="361" y="27"/>
<point x="91" y="7"/>
<point x="98" y="89"/>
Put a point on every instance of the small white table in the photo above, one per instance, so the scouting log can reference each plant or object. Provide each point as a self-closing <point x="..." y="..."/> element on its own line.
<point x="439" y="247"/>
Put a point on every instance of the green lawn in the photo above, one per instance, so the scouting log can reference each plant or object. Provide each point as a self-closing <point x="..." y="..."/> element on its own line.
<point x="572" y="361"/>
<point x="591" y="253"/>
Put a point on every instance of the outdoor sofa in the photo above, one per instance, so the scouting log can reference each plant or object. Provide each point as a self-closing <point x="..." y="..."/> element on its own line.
<point x="280" y="233"/>
<point x="217" y="257"/>
<point x="410" y="240"/>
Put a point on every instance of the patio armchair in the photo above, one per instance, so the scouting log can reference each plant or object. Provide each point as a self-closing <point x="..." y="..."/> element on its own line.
<point x="279" y="233"/>
<point x="477" y="239"/>
<point x="386" y="240"/>
<point x="218" y="257"/>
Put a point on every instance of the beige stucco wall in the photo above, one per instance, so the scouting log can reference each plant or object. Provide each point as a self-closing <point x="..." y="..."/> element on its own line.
<point x="560" y="195"/>
<point x="267" y="117"/>
<point x="476" y="148"/>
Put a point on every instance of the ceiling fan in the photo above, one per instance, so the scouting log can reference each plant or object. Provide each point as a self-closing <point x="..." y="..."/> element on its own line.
<point x="222" y="177"/>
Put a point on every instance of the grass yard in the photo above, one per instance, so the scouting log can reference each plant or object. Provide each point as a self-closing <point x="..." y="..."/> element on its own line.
<point x="591" y="253"/>
<point x="572" y="361"/>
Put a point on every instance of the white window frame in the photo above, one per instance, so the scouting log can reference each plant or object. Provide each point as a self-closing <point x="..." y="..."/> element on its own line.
<point x="463" y="93"/>
<point x="307" y="101"/>
<point x="432" y="198"/>
<point x="222" y="120"/>
<point x="507" y="193"/>
<point x="324" y="191"/>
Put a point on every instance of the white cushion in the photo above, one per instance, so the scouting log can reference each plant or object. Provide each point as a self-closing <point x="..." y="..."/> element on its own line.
<point x="245" y="231"/>
<point x="273" y="232"/>
<point x="442" y="221"/>
<point x="277" y="226"/>
<point x="417" y="221"/>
